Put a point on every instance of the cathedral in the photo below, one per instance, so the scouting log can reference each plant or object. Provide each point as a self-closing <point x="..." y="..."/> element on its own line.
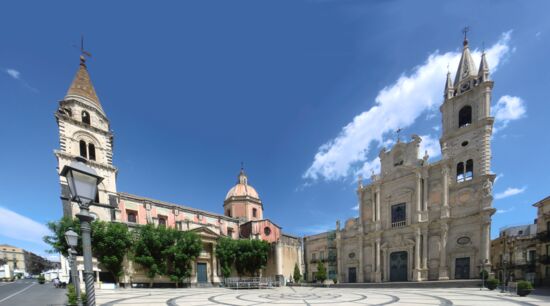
<point x="423" y="221"/>
<point x="85" y="134"/>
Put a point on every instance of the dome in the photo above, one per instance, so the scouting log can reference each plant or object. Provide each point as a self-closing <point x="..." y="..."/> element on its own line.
<point x="242" y="189"/>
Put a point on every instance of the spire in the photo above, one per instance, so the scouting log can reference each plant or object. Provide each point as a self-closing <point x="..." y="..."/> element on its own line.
<point x="483" y="68"/>
<point x="448" y="87"/>
<point x="82" y="87"/>
<point x="466" y="66"/>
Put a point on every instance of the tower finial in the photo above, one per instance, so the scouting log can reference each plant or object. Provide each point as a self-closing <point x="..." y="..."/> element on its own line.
<point x="465" y="31"/>
<point x="83" y="52"/>
<point x="398" y="131"/>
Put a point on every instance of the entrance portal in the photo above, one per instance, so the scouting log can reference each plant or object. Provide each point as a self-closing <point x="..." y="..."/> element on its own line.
<point x="352" y="275"/>
<point x="202" y="277"/>
<point x="398" y="266"/>
<point x="462" y="268"/>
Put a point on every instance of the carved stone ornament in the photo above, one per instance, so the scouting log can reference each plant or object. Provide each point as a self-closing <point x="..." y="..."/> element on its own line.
<point x="487" y="189"/>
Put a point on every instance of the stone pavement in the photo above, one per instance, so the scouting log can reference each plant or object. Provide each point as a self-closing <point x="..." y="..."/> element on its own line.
<point x="314" y="296"/>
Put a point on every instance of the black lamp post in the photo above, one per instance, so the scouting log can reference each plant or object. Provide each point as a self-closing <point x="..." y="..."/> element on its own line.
<point x="72" y="240"/>
<point x="83" y="181"/>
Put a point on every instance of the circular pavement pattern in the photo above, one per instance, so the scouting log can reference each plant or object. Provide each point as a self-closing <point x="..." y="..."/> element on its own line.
<point x="313" y="297"/>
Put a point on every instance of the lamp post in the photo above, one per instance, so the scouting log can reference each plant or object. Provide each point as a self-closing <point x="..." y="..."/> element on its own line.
<point x="72" y="240"/>
<point x="483" y="264"/>
<point x="83" y="181"/>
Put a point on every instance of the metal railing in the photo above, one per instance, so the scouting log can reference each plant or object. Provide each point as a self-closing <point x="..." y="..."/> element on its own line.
<point x="398" y="224"/>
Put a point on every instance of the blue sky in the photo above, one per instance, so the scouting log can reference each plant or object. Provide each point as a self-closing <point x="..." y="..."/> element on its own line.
<point x="291" y="88"/>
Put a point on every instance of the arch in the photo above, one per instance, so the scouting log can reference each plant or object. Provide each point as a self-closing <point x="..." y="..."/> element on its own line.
<point x="465" y="116"/>
<point x="86" y="117"/>
<point x="469" y="173"/>
<point x="83" y="149"/>
<point x="460" y="172"/>
<point x="91" y="151"/>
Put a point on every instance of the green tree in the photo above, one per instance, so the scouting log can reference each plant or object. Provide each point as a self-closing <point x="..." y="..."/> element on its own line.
<point x="321" y="272"/>
<point x="148" y="250"/>
<point x="226" y="252"/>
<point x="185" y="248"/>
<point x="297" y="275"/>
<point x="110" y="243"/>
<point x="57" y="239"/>
<point x="251" y="256"/>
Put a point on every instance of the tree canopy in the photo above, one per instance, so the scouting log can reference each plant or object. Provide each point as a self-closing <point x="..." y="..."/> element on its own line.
<point x="110" y="244"/>
<point x="247" y="256"/>
<point x="321" y="272"/>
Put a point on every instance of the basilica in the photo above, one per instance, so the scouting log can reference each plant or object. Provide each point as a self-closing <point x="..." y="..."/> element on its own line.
<point x="85" y="134"/>
<point x="419" y="220"/>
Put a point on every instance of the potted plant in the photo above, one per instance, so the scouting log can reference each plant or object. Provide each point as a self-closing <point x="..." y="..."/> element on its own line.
<point x="492" y="283"/>
<point x="524" y="288"/>
<point x="41" y="279"/>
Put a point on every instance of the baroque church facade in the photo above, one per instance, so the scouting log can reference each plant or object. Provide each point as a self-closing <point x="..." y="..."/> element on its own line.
<point x="428" y="221"/>
<point x="85" y="135"/>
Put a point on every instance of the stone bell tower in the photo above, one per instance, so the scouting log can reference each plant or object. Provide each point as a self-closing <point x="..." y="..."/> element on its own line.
<point x="466" y="142"/>
<point x="85" y="134"/>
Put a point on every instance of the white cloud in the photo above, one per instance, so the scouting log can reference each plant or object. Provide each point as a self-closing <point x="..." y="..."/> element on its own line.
<point x="510" y="191"/>
<point x="508" y="108"/>
<point x="13" y="73"/>
<point x="16" y="226"/>
<point x="498" y="177"/>
<point x="396" y="106"/>
<point x="356" y="207"/>
<point x="503" y="211"/>
<point x="430" y="144"/>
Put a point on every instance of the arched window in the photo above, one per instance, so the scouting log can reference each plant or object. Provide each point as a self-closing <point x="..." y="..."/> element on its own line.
<point x="465" y="116"/>
<point x="91" y="151"/>
<point x="469" y="174"/>
<point x="85" y="117"/>
<point x="254" y="212"/>
<point x="460" y="172"/>
<point x="228" y="213"/>
<point x="83" y="152"/>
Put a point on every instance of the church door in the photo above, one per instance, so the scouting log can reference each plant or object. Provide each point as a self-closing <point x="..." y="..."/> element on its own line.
<point x="202" y="277"/>
<point x="462" y="268"/>
<point x="398" y="266"/>
<point x="352" y="275"/>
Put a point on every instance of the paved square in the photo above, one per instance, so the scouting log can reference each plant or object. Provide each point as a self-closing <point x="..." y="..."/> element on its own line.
<point x="313" y="296"/>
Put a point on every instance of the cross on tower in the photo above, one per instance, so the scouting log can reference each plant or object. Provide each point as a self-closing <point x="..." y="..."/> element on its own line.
<point x="397" y="132"/>
<point x="465" y="31"/>
<point x="83" y="52"/>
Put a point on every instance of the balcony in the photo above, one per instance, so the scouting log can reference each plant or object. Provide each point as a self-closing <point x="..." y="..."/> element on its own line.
<point x="399" y="224"/>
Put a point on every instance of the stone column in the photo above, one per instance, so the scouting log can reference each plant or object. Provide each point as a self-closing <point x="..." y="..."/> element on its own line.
<point x="373" y="201"/>
<point x="425" y="200"/>
<point x="279" y="257"/>
<point x="361" y="269"/>
<point x="445" y="204"/>
<point x="377" y="203"/>
<point x="485" y="240"/>
<point x="417" y="246"/>
<point x="377" y="274"/>
<point x="443" y="270"/>
<point x="215" y="277"/>
<point x="425" y="249"/>
<point x="418" y="196"/>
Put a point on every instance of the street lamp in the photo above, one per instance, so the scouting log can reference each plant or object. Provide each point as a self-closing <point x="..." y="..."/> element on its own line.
<point x="83" y="181"/>
<point x="72" y="240"/>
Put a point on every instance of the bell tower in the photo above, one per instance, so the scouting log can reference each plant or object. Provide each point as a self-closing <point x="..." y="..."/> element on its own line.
<point x="85" y="134"/>
<point x="467" y="121"/>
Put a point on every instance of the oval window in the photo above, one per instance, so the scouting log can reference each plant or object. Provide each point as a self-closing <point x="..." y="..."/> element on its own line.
<point x="267" y="231"/>
<point x="463" y="240"/>
<point x="351" y="255"/>
<point x="464" y="143"/>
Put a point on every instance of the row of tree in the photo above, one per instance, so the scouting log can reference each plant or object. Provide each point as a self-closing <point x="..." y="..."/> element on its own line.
<point x="159" y="250"/>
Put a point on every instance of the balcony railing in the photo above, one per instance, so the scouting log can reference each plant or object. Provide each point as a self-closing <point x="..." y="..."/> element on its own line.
<point x="398" y="224"/>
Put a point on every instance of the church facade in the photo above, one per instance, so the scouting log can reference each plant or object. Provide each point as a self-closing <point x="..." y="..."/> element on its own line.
<point x="428" y="221"/>
<point x="85" y="134"/>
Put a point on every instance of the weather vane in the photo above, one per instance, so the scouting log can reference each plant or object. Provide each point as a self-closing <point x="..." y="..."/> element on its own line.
<point x="465" y="31"/>
<point x="83" y="52"/>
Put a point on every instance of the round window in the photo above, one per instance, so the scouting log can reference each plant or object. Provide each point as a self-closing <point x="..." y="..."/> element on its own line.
<point x="463" y="240"/>
<point x="351" y="255"/>
<point x="267" y="231"/>
<point x="464" y="143"/>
